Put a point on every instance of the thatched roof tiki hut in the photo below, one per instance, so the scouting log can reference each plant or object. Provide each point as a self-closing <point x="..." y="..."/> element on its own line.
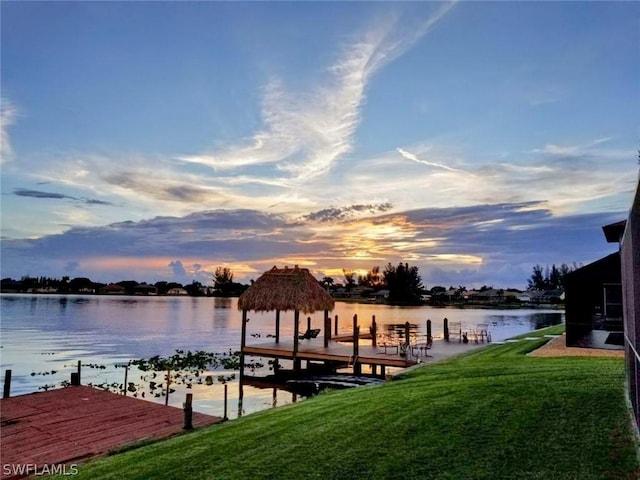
<point x="281" y="290"/>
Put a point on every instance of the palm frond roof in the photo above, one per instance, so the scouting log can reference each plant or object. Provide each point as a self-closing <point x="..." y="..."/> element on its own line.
<point x="286" y="289"/>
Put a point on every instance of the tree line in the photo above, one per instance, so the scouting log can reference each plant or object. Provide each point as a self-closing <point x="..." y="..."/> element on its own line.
<point x="550" y="278"/>
<point x="403" y="282"/>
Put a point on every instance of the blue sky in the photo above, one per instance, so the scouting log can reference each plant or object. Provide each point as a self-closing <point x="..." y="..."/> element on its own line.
<point x="159" y="140"/>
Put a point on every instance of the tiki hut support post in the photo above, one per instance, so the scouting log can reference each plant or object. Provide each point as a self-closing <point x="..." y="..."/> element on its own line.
<point x="327" y="328"/>
<point x="277" y="326"/>
<point x="296" y="331"/>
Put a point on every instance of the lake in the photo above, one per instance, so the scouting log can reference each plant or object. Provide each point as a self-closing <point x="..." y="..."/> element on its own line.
<point x="44" y="333"/>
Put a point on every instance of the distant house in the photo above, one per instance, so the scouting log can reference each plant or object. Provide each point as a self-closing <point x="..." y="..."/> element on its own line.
<point x="490" y="295"/>
<point x="145" y="289"/>
<point x="380" y="295"/>
<point x="177" y="291"/>
<point x="524" y="297"/>
<point x="112" y="289"/>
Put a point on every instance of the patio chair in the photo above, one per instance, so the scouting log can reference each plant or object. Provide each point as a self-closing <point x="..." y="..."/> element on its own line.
<point x="310" y="333"/>
<point x="387" y="342"/>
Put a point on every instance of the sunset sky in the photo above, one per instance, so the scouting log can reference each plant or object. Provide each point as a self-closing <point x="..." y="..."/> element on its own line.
<point x="160" y="140"/>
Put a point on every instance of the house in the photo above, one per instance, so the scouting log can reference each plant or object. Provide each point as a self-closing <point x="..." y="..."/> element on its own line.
<point x="490" y="295"/>
<point x="178" y="291"/>
<point x="380" y="295"/>
<point x="112" y="289"/>
<point x="593" y="298"/>
<point x="145" y="289"/>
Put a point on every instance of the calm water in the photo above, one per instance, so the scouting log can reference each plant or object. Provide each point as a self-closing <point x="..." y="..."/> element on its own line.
<point x="43" y="333"/>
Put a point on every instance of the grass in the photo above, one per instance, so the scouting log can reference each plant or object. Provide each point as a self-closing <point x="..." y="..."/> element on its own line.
<point x="491" y="414"/>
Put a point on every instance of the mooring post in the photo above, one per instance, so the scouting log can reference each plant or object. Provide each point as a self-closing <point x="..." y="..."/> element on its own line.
<point x="243" y="343"/>
<point x="79" y="369"/>
<point x="296" y="332"/>
<point x="166" y="398"/>
<point x="7" y="384"/>
<point x="429" y="337"/>
<point x="335" y="328"/>
<point x="226" y="391"/>
<point x="357" y="368"/>
<point x="407" y="334"/>
<point x="355" y="325"/>
<point x="126" y="375"/>
<point x="374" y="332"/>
<point x="327" y="328"/>
<point x="277" y="326"/>
<point x="308" y="323"/>
<point x="446" y="329"/>
<point x="188" y="412"/>
<point x="374" y="342"/>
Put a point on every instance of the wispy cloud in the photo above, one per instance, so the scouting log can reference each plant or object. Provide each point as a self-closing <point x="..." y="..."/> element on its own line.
<point x="571" y="149"/>
<point x="414" y="158"/>
<point x="306" y="133"/>
<point x="342" y="213"/>
<point x="8" y="114"/>
<point x="25" y="192"/>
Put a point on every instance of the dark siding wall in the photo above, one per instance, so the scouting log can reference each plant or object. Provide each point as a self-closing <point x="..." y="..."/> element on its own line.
<point x="631" y="301"/>
<point x="584" y="294"/>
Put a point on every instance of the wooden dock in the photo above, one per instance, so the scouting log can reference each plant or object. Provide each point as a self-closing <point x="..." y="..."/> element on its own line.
<point x="71" y="424"/>
<point x="314" y="350"/>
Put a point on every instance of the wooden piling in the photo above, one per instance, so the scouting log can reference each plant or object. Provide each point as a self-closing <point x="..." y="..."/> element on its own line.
<point x="79" y="369"/>
<point x="374" y="342"/>
<point x="374" y="332"/>
<point x="357" y="368"/>
<point x="308" y="323"/>
<point x="277" y="326"/>
<point x="126" y="378"/>
<point x="327" y="328"/>
<point x="7" y="384"/>
<point x="335" y="328"/>
<point x="226" y="397"/>
<point x="407" y="340"/>
<point x="429" y="336"/>
<point x="243" y="342"/>
<point x="446" y="329"/>
<point x="166" y="398"/>
<point x="187" y="408"/>
<point x="356" y="346"/>
<point x="296" y="332"/>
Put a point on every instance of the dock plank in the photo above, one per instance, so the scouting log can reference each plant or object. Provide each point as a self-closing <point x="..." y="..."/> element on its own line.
<point x="315" y="350"/>
<point x="77" y="423"/>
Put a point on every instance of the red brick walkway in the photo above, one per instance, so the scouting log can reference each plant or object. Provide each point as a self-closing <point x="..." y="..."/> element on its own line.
<point x="74" y="423"/>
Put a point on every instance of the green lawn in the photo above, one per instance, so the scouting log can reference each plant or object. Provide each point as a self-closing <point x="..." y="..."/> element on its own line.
<point x="492" y="414"/>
